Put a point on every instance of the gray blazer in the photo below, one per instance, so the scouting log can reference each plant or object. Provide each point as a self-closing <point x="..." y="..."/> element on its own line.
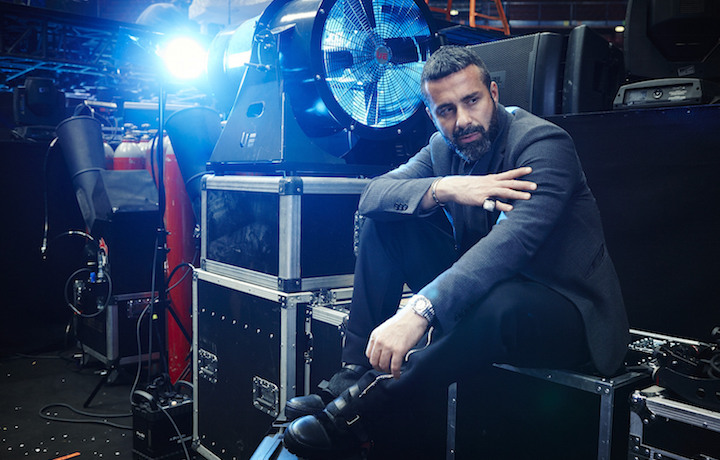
<point x="555" y="238"/>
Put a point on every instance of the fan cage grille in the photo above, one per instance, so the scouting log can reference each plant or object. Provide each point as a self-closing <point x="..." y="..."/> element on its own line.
<point x="373" y="58"/>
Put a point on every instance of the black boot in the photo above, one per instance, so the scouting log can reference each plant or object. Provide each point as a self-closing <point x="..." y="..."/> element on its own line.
<point x="338" y="430"/>
<point x="300" y="406"/>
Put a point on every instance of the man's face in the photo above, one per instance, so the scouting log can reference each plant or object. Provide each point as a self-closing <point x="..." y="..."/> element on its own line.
<point x="464" y="111"/>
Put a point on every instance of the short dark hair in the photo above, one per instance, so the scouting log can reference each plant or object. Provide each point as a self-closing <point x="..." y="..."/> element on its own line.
<point x="448" y="60"/>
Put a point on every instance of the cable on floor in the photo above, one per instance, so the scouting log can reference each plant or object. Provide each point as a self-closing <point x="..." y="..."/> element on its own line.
<point x="44" y="409"/>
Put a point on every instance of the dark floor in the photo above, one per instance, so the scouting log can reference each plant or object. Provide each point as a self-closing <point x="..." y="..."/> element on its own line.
<point x="41" y="373"/>
<point x="49" y="382"/>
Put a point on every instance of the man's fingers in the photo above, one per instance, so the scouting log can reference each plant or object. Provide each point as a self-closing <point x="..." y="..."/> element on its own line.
<point x="509" y="194"/>
<point x="384" y="361"/>
<point x="369" y="348"/>
<point x="514" y="173"/>
<point x="378" y="355"/>
<point x="514" y="188"/>
<point x="374" y="353"/>
<point x="396" y="365"/>
<point x="389" y="342"/>
<point x="505" y="207"/>
<point x="520" y="184"/>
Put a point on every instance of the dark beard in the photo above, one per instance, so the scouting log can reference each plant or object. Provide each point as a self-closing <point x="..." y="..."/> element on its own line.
<point x="476" y="149"/>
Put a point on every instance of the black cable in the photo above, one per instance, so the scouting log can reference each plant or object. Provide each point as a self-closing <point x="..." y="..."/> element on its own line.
<point x="89" y="237"/>
<point x="162" y="352"/>
<point x="174" y="270"/>
<point x="181" y="382"/>
<point x="139" y="348"/>
<point x="169" y="278"/>
<point x="184" y="331"/>
<point x="46" y="227"/>
<point x="138" y="337"/>
<point x="42" y="414"/>
<point x="72" y="305"/>
<point x="76" y="233"/>
<point x="152" y="308"/>
<point x="177" y="430"/>
<point x="153" y="147"/>
<point x="162" y="98"/>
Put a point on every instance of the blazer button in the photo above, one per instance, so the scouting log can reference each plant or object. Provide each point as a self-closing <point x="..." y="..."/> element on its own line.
<point x="401" y="206"/>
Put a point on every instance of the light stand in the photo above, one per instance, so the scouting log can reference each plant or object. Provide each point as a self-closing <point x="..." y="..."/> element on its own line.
<point x="181" y="58"/>
<point x="161" y="248"/>
<point x="162" y="202"/>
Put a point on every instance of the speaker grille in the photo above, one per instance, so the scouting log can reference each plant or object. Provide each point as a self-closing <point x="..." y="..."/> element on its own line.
<point x="527" y="69"/>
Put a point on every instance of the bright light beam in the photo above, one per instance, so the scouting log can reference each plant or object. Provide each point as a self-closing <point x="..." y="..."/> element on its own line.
<point x="184" y="58"/>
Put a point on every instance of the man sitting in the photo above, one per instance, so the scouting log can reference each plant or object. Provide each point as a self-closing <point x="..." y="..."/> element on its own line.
<point x="523" y="277"/>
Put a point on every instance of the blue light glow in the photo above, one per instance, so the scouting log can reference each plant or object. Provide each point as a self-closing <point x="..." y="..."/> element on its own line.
<point x="184" y="58"/>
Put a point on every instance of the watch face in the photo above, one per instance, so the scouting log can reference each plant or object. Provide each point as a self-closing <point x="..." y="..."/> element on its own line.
<point x="423" y="307"/>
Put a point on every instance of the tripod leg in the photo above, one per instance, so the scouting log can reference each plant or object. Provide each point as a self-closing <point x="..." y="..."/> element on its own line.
<point x="103" y="381"/>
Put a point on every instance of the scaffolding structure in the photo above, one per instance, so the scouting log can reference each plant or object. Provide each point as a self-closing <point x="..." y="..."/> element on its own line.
<point x="491" y="17"/>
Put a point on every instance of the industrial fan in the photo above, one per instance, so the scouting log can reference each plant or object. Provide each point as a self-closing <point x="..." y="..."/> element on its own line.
<point x="329" y="83"/>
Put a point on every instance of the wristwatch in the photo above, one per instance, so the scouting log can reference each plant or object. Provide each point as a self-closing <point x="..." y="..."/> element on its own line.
<point x="421" y="306"/>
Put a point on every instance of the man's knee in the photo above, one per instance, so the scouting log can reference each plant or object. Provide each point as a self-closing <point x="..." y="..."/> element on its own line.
<point x="536" y="325"/>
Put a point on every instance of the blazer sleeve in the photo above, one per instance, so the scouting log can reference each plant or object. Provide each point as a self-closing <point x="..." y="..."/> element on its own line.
<point x="512" y="243"/>
<point x="398" y="193"/>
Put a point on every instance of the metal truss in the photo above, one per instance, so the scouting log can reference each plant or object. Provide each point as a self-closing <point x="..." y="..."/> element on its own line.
<point x="36" y="41"/>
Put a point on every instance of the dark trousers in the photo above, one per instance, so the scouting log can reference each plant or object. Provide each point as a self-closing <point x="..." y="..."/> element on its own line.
<point x="519" y="322"/>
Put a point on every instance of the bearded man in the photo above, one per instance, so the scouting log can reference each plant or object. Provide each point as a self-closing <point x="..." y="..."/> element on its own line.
<point x="522" y="276"/>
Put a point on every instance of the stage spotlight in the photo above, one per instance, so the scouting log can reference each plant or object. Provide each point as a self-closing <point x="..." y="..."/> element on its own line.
<point x="184" y="58"/>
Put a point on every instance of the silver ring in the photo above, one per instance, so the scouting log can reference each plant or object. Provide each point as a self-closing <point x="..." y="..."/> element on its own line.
<point x="489" y="205"/>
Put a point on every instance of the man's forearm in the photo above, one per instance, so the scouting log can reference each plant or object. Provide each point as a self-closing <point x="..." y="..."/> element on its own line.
<point x="431" y="199"/>
<point x="474" y="190"/>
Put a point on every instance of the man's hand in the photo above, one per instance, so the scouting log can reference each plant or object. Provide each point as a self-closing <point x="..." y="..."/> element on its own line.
<point x="390" y="341"/>
<point x="474" y="190"/>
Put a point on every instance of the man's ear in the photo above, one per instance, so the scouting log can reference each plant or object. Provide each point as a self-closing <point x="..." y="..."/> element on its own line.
<point x="432" y="118"/>
<point x="428" y="112"/>
<point x="495" y="92"/>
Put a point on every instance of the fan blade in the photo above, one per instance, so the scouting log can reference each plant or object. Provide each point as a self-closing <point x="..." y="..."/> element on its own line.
<point x="367" y="6"/>
<point x="356" y="17"/>
<point x="371" y="103"/>
<point x="397" y="19"/>
<point x="395" y="81"/>
<point x="337" y="61"/>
